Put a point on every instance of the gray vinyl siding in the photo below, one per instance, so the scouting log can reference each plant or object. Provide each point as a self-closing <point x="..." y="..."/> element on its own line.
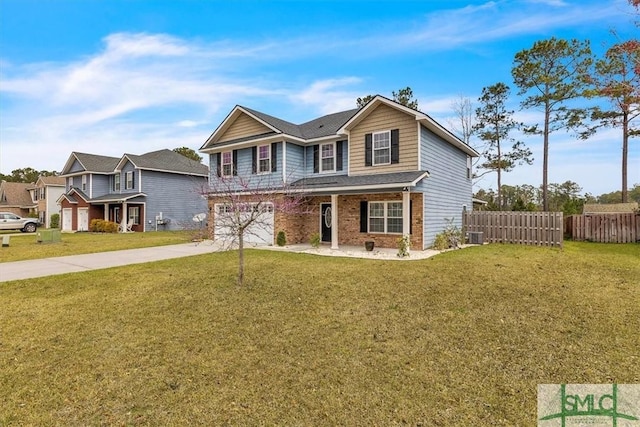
<point x="270" y="180"/>
<point x="295" y="165"/>
<point x="99" y="185"/>
<point x="447" y="189"/>
<point x="76" y="167"/>
<point x="177" y="196"/>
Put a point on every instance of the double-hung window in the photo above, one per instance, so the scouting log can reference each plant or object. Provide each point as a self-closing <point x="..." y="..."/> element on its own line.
<point x="227" y="163"/>
<point x="264" y="158"/>
<point x="328" y="157"/>
<point x="382" y="148"/>
<point x="385" y="217"/>
<point x="128" y="184"/>
<point x="116" y="182"/>
<point x="84" y="183"/>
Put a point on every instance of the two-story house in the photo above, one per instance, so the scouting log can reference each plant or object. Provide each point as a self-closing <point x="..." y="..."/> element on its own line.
<point x="160" y="190"/>
<point x="45" y="193"/>
<point x="375" y="173"/>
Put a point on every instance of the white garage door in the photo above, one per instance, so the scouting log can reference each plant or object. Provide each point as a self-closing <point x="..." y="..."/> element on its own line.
<point x="67" y="220"/>
<point x="260" y="232"/>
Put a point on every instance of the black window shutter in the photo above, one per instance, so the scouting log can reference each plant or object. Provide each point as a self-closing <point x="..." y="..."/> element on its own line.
<point x="219" y="164"/>
<point x="235" y="162"/>
<point x="254" y="159"/>
<point x="339" y="155"/>
<point x="316" y="158"/>
<point x="274" y="157"/>
<point x="367" y="149"/>
<point x="364" y="216"/>
<point x="395" y="146"/>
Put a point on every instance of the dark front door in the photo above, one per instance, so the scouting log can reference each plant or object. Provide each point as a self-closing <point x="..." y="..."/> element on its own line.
<point x="325" y="221"/>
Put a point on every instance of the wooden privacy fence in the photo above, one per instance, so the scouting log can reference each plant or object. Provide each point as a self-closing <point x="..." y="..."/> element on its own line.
<point x="605" y="228"/>
<point x="524" y="228"/>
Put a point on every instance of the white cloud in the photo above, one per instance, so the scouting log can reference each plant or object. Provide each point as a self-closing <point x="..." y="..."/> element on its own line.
<point x="326" y="97"/>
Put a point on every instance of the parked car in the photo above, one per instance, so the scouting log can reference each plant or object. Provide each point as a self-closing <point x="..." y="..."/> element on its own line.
<point x="11" y="221"/>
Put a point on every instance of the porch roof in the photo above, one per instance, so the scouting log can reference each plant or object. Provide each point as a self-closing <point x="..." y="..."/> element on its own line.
<point x="116" y="198"/>
<point x="345" y="183"/>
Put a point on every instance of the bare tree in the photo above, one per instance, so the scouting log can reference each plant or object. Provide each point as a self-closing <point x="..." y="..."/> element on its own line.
<point x="245" y="207"/>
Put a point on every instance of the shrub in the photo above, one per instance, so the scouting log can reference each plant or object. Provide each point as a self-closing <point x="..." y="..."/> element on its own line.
<point x="450" y="237"/>
<point x="102" y="226"/>
<point x="315" y="240"/>
<point x="281" y="239"/>
<point x="404" y="245"/>
<point x="55" y="220"/>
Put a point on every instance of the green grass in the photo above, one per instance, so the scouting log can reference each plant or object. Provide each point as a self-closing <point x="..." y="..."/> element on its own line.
<point x="25" y="246"/>
<point x="461" y="339"/>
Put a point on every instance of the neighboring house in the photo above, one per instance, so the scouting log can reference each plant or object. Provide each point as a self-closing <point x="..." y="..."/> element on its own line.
<point x="160" y="190"/>
<point x="45" y="193"/>
<point x="374" y="173"/>
<point x="593" y="208"/>
<point x="15" y="198"/>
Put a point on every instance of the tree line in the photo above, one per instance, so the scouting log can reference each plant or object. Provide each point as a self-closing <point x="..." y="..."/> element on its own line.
<point x="552" y="77"/>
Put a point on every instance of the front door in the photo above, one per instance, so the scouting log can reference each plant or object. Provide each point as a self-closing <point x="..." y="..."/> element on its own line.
<point x="325" y="222"/>
<point x="83" y="219"/>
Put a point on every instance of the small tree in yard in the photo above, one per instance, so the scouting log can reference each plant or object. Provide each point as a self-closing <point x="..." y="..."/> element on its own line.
<point x="243" y="208"/>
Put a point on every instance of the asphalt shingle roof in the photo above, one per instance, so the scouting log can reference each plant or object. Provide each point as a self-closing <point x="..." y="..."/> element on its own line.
<point x="16" y="194"/>
<point x="168" y="160"/>
<point x="97" y="163"/>
<point x="316" y="128"/>
<point x="332" y="181"/>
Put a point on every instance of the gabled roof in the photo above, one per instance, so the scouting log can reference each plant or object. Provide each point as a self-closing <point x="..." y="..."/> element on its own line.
<point x="610" y="207"/>
<point x="325" y="126"/>
<point x="56" y="181"/>
<point x="91" y="163"/>
<point x="421" y="117"/>
<point x="330" y="125"/>
<point x="165" y="161"/>
<point x="16" y="194"/>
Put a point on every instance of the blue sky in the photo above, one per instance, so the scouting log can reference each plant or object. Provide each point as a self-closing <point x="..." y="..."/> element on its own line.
<point x="114" y="77"/>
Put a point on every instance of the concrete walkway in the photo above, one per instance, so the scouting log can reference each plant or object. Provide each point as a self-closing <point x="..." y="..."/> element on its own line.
<point x="29" y="269"/>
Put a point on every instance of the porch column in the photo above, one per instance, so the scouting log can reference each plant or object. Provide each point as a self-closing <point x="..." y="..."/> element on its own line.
<point x="334" y="221"/>
<point x="106" y="212"/>
<point x="124" y="220"/>
<point x="406" y="214"/>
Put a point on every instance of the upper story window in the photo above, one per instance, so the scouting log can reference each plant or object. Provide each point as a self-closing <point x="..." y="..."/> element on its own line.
<point x="116" y="182"/>
<point x="385" y="217"/>
<point x="382" y="148"/>
<point x="84" y="183"/>
<point x="328" y="157"/>
<point x="227" y="163"/>
<point x="42" y="193"/>
<point x="128" y="184"/>
<point x="70" y="182"/>
<point x="468" y="167"/>
<point x="264" y="158"/>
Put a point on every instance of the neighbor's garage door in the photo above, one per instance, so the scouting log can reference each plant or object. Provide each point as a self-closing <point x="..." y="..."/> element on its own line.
<point x="260" y="232"/>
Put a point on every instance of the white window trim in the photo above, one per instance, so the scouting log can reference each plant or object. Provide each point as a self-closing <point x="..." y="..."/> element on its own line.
<point x="469" y="171"/>
<point x="83" y="184"/>
<point x="385" y="217"/>
<point x="134" y="212"/>
<point x="335" y="158"/>
<point x="259" y="171"/>
<point x="128" y="183"/>
<point x="117" y="185"/>
<point x="373" y="148"/>
<point x="223" y="164"/>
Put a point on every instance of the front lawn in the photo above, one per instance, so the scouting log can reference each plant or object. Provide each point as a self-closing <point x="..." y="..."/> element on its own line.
<point x="461" y="339"/>
<point x="25" y="246"/>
